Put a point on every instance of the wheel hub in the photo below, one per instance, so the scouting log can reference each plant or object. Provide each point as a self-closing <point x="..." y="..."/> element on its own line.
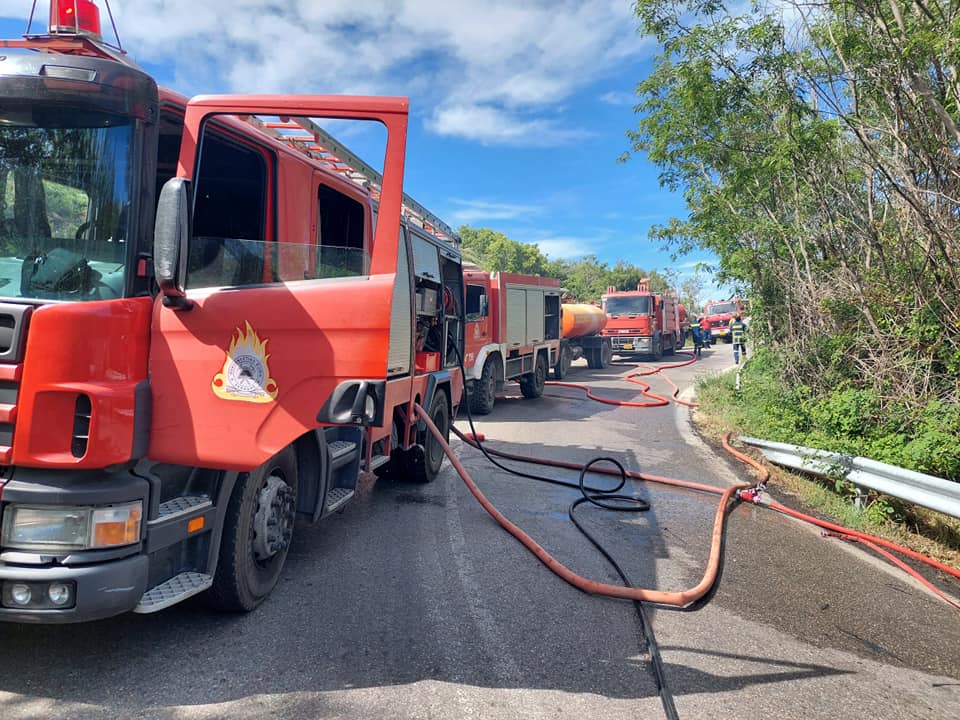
<point x="273" y="523"/>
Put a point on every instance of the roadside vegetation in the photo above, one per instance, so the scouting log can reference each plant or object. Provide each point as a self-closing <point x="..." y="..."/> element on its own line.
<point x="768" y="407"/>
<point x="818" y="150"/>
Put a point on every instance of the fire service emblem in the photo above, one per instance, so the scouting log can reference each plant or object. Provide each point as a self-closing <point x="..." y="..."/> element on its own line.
<point x="245" y="375"/>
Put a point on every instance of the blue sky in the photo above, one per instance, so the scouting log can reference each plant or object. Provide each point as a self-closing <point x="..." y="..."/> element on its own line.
<point x="519" y="108"/>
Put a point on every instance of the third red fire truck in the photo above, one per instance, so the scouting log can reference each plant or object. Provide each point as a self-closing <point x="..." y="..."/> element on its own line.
<point x="641" y="322"/>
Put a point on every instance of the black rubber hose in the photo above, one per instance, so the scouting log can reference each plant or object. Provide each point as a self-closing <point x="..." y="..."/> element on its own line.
<point x="600" y="497"/>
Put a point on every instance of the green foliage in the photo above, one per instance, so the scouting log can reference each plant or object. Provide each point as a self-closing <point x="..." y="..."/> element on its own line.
<point x="847" y="420"/>
<point x="584" y="279"/>
<point x="818" y="163"/>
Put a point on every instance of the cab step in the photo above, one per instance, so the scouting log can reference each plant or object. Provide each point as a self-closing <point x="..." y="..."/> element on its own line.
<point x="341" y="453"/>
<point x="186" y="505"/>
<point x="378" y="461"/>
<point x="337" y="498"/>
<point x="172" y="591"/>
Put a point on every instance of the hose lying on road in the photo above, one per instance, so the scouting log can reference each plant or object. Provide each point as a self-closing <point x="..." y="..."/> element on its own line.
<point x="658" y="400"/>
<point x="681" y="598"/>
<point x="658" y="370"/>
<point x="874" y="543"/>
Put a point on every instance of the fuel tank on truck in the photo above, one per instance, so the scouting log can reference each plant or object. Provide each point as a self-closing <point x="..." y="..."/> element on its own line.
<point x="580" y="320"/>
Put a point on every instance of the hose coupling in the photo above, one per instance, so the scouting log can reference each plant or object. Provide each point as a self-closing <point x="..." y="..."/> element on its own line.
<point x="750" y="494"/>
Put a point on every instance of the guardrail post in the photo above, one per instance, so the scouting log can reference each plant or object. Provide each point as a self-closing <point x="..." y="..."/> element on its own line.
<point x="860" y="498"/>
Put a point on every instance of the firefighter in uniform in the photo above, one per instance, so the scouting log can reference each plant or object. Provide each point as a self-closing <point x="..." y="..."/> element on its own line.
<point x="697" y="337"/>
<point x="738" y="334"/>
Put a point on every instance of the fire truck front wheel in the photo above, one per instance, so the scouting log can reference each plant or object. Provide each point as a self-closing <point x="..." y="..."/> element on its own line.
<point x="256" y="534"/>
<point x="485" y="389"/>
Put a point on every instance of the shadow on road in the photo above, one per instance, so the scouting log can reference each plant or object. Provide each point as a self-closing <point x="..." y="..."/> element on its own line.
<point x="410" y="584"/>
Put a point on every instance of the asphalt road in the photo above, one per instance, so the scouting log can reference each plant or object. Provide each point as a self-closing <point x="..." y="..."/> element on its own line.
<point x="413" y="603"/>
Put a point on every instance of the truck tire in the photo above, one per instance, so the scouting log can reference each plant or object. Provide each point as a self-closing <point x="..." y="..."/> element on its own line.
<point x="562" y="367"/>
<point x="485" y="389"/>
<point x="670" y="347"/>
<point x="257" y="530"/>
<point x="424" y="462"/>
<point x="658" y="348"/>
<point x="531" y="384"/>
<point x="682" y="341"/>
<point x="605" y="354"/>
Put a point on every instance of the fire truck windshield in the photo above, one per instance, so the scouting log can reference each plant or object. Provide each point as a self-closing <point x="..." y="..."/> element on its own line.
<point x="627" y="305"/>
<point x="722" y="308"/>
<point x="65" y="178"/>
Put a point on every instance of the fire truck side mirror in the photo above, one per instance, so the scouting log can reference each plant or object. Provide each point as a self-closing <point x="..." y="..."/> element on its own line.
<point x="171" y="238"/>
<point x="484" y="305"/>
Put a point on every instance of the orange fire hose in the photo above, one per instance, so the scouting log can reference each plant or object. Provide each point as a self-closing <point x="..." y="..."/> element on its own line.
<point x="658" y="400"/>
<point x="685" y="597"/>
<point x="681" y="598"/>
<point x="746" y="492"/>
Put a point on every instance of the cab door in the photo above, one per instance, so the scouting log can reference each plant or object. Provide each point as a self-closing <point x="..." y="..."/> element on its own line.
<point x="477" y="333"/>
<point x="244" y="367"/>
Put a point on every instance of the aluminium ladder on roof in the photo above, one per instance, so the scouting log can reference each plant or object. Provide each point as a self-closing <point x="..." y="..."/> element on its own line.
<point x="308" y="137"/>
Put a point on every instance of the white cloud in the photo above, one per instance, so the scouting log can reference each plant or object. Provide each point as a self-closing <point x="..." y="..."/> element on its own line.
<point x="619" y="97"/>
<point x="491" y="126"/>
<point x="491" y="71"/>
<point x="564" y="247"/>
<point x="473" y="211"/>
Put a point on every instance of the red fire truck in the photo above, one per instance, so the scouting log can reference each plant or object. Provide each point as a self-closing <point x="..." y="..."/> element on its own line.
<point x="720" y="313"/>
<point x="208" y="328"/>
<point x="640" y="322"/>
<point x="513" y="333"/>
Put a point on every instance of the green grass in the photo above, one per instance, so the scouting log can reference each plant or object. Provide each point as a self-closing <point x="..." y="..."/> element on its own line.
<point x="844" y="421"/>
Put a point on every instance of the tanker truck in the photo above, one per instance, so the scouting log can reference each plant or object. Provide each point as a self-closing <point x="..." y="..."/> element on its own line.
<point x="580" y="331"/>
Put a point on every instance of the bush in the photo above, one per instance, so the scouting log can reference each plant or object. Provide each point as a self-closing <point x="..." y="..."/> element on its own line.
<point x="848" y="420"/>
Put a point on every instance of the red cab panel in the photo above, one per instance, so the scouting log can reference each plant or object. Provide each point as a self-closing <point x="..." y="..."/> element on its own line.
<point x="82" y="359"/>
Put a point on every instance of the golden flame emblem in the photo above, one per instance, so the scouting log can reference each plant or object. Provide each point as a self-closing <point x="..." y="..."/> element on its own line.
<point x="245" y="375"/>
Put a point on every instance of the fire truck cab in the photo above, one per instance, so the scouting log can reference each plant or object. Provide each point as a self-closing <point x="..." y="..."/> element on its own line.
<point x="213" y="318"/>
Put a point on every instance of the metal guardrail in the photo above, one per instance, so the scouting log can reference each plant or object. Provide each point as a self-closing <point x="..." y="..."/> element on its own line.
<point x="917" y="488"/>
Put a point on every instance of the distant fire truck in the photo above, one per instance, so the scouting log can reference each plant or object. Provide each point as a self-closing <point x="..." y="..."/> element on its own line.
<point x="158" y="443"/>
<point x="641" y="322"/>
<point x="720" y="313"/>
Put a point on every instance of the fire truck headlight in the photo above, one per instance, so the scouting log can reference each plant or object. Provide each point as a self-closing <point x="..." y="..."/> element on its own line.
<point x="59" y="593"/>
<point x="45" y="528"/>
<point x="58" y="529"/>
<point x="21" y="594"/>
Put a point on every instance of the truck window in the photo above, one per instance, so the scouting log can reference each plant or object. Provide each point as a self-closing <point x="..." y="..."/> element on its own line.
<point x="474" y="308"/>
<point x="339" y="235"/>
<point x="229" y="217"/>
<point x="721" y="308"/>
<point x="65" y="183"/>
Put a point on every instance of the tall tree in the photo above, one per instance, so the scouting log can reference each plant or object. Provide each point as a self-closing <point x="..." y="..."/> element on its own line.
<point x="820" y="164"/>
